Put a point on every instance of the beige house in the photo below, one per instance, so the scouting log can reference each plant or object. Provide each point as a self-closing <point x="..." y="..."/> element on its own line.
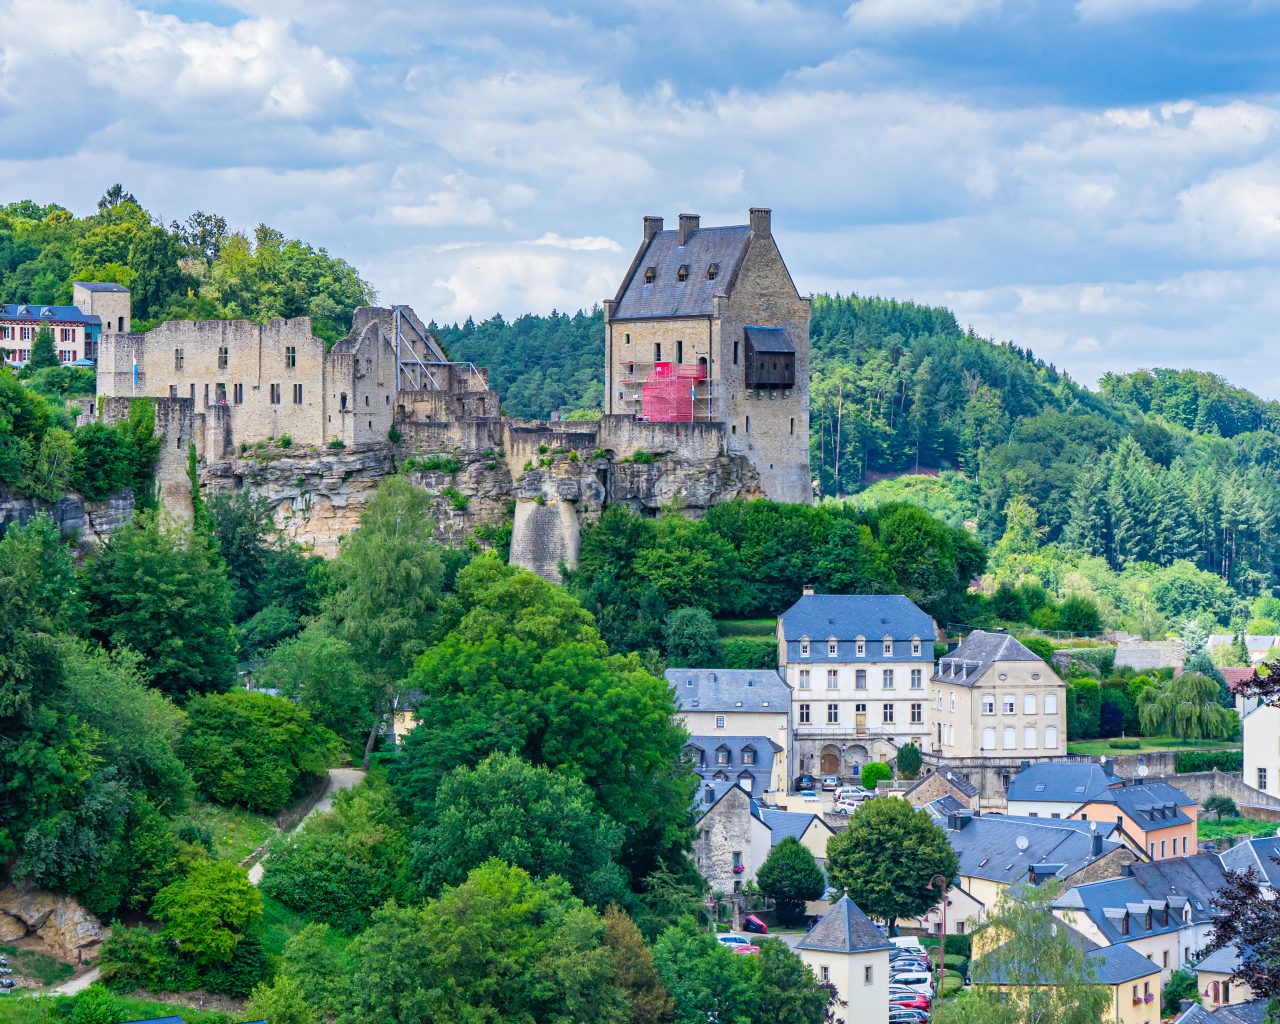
<point x="1261" y="728"/>
<point x="1215" y="983"/>
<point x="846" y="949"/>
<point x="707" y="326"/>
<point x="735" y="833"/>
<point x="718" y="706"/>
<point x="992" y="697"/>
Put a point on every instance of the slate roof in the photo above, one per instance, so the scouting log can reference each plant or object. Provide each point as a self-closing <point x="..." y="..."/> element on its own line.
<point x="977" y="653"/>
<point x="1112" y="965"/>
<point x="1252" y="1012"/>
<point x="844" y="929"/>
<point x="1060" y="782"/>
<point x="786" y="824"/>
<point x="37" y="312"/>
<point x="1196" y="1014"/>
<point x="769" y="339"/>
<point x="849" y="616"/>
<point x="100" y="286"/>
<point x="943" y="806"/>
<point x="1220" y="961"/>
<point x="668" y="296"/>
<point x="1256" y="854"/>
<point x="707" y="767"/>
<point x="1177" y="884"/>
<point x="1152" y="805"/>
<point x="987" y="846"/>
<point x="960" y="783"/>
<point x="729" y="689"/>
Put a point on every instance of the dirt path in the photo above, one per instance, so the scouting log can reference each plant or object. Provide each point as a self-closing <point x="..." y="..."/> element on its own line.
<point x="76" y="984"/>
<point x="339" y="779"/>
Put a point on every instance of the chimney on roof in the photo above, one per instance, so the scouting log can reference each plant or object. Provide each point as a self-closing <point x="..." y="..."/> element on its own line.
<point x="760" y="216"/>
<point x="808" y="590"/>
<point x="652" y="225"/>
<point x="688" y="225"/>
<point x="1097" y="842"/>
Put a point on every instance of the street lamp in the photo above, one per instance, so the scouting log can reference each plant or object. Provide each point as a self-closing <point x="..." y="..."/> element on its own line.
<point x="942" y="945"/>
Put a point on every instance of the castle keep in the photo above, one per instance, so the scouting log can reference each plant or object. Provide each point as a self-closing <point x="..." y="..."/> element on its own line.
<point x="706" y="370"/>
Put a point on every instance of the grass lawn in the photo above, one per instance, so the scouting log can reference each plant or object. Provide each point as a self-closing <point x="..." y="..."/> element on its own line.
<point x="1209" y="828"/>
<point x="45" y="1010"/>
<point x="32" y="963"/>
<point x="236" y="832"/>
<point x="747" y="627"/>
<point x="1096" y="748"/>
<point x="280" y="924"/>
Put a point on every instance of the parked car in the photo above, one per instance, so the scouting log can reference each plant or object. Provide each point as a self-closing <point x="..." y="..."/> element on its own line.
<point x="910" y="1001"/>
<point x="751" y="923"/>
<point x="921" y="981"/>
<point x="809" y="797"/>
<point x="910" y="994"/>
<point x="907" y="942"/>
<point x="746" y="950"/>
<point x="905" y="1016"/>
<point x="804" y="782"/>
<point x="733" y="940"/>
<point x="830" y="783"/>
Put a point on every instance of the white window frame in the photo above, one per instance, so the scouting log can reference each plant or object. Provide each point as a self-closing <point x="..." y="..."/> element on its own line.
<point x="953" y="700"/>
<point x="1030" y="738"/>
<point x="916" y="647"/>
<point x="804" y="679"/>
<point x="1009" y="704"/>
<point x="804" y="647"/>
<point x="719" y="721"/>
<point x="1010" y="738"/>
<point x="833" y="714"/>
<point x="1051" y="737"/>
<point x="988" y="703"/>
<point x="1028" y="703"/>
<point x="917" y="714"/>
<point x="917" y="679"/>
<point x="833" y="648"/>
<point x="1050" y="703"/>
<point x="988" y="732"/>
<point x="860" y="647"/>
<point x="886" y="679"/>
<point x="833" y="679"/>
<point x="886" y="714"/>
<point x="888" y="647"/>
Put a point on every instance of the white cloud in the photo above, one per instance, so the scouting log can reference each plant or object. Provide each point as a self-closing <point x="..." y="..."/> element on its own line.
<point x="1107" y="10"/>
<point x="891" y="15"/>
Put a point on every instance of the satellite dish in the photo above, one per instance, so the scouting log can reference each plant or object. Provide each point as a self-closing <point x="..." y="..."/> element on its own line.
<point x="1093" y="826"/>
<point x="1142" y="771"/>
<point x="1102" y="759"/>
<point x="1021" y="842"/>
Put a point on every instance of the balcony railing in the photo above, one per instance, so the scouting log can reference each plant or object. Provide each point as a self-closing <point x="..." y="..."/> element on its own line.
<point x="860" y="732"/>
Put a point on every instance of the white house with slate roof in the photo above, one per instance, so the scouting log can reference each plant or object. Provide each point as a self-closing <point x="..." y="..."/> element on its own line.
<point x="851" y="953"/>
<point x="754" y="762"/>
<point x="1054" y="789"/>
<point x="719" y="705"/>
<point x="858" y="667"/>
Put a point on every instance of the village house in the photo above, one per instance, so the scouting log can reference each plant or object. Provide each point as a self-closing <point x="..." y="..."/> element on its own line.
<point x="735" y="832"/>
<point x="1260" y="728"/>
<point x="1214" y="980"/>
<point x="857" y="667"/>
<point x="708" y="327"/>
<point x="993" y="705"/>
<point x="1154" y="816"/>
<point x="722" y="707"/>
<point x="96" y="309"/>
<point x="936" y="786"/>
<point x="846" y="950"/>
<point x="1056" y="789"/>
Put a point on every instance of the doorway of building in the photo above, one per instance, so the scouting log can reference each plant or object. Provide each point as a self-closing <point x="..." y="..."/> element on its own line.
<point x="829" y="762"/>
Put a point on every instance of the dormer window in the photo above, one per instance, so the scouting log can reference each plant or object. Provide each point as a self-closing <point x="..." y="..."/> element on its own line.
<point x="682" y="273"/>
<point x="1124" y="925"/>
<point x="888" y="647"/>
<point x="804" y="647"/>
<point x="833" y="648"/>
<point x="748" y="755"/>
<point x="915" y="647"/>
<point x="650" y="273"/>
<point x="860" y="647"/>
<point x="722" y="755"/>
<point x="713" y="271"/>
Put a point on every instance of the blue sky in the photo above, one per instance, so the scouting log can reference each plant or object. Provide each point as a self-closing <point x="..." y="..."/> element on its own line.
<point x="1097" y="179"/>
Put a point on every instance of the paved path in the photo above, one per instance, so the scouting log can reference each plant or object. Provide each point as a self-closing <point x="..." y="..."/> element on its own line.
<point x="77" y="984"/>
<point x="339" y="779"/>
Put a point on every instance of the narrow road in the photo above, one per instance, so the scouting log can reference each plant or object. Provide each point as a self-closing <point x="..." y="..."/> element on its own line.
<point x="339" y="779"/>
<point x="77" y="984"/>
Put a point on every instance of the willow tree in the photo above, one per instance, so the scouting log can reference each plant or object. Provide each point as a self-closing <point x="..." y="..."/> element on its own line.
<point x="1187" y="708"/>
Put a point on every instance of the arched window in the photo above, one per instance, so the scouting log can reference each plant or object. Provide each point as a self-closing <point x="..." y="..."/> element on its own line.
<point x="988" y="703"/>
<point x="1029" y="737"/>
<point x="1028" y="703"/>
<point x="1010" y="738"/>
<point x="1051" y="737"/>
<point x="1009" y="705"/>
<point x="1050" y="703"/>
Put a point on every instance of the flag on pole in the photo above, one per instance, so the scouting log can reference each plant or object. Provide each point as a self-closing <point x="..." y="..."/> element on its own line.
<point x="135" y="371"/>
<point x="693" y="401"/>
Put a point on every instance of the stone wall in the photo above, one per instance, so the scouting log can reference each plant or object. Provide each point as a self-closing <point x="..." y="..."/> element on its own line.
<point x="1253" y="803"/>
<point x="1143" y="655"/>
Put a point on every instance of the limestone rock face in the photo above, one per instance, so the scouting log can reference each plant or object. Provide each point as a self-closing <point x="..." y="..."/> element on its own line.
<point x="31" y="907"/>
<point x="92" y="521"/>
<point x="70" y="927"/>
<point x="11" y="928"/>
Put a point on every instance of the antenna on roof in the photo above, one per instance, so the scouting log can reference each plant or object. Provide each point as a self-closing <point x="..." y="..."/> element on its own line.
<point x="1143" y="770"/>
<point x="1021" y="843"/>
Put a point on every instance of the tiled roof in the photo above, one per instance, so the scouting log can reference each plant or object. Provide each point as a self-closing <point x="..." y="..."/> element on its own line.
<point x="784" y="824"/>
<point x="1220" y="961"/>
<point x="1253" y="1012"/>
<point x="1256" y="854"/>
<point x="960" y="783"/>
<point x="844" y="929"/>
<point x="977" y="653"/>
<point x="100" y="286"/>
<point x="769" y="339"/>
<point x="1060" y="782"/>
<point x="34" y="311"/>
<point x="729" y="689"/>
<point x="1152" y="805"/>
<point x="1196" y="1014"/>
<point x="667" y="295"/>
<point x="988" y="846"/>
<point x="849" y="616"/>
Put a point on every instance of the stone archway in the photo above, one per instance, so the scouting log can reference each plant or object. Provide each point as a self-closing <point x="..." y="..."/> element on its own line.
<point x="855" y="756"/>
<point x="829" y="760"/>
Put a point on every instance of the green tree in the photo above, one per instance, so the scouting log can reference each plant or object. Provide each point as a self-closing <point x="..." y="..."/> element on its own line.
<point x="264" y="569"/>
<point x="909" y="761"/>
<point x="706" y="981"/>
<point x="633" y="971"/>
<point x="340" y="866"/>
<point x="886" y="858"/>
<point x="312" y="959"/>
<point x="209" y="911"/>
<point x="1187" y="708"/>
<point x="43" y="354"/>
<point x="529" y="816"/>
<point x="1220" y="805"/>
<point x="1181" y="985"/>
<point x="691" y="639"/>
<point x="54" y="467"/>
<point x="254" y="750"/>
<point x="790" y="993"/>
<point x="872" y="773"/>
<point x="791" y="877"/>
<point x="1034" y="970"/>
<point x="163" y="593"/>
<point x="284" y="1001"/>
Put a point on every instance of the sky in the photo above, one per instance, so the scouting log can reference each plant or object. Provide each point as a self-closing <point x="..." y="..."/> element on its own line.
<point x="1097" y="180"/>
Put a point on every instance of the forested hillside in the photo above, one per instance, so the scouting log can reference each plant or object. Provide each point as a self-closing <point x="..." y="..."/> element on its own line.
<point x="198" y="269"/>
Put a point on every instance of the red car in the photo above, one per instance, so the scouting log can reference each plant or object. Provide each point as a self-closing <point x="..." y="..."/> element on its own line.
<point x="746" y="950"/>
<point x="916" y="1002"/>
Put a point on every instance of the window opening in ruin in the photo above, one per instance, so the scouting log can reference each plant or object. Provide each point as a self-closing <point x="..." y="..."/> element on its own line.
<point x="657" y="351"/>
<point x="297" y="394"/>
<point x="342" y="404"/>
<point x="177" y="359"/>
<point x="223" y="357"/>
<point x="290" y="356"/>
<point x="238" y="393"/>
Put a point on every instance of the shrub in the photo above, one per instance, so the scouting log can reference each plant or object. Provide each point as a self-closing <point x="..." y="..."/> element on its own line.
<point x="1181" y="985"/>
<point x="1125" y="744"/>
<point x="573" y="456"/>
<point x="1038" y="646"/>
<point x="757" y="652"/>
<point x="457" y="500"/>
<point x="528" y="466"/>
<point x="337" y="442"/>
<point x="543" y="449"/>
<point x="285" y="441"/>
<point x="873" y="772"/>
<point x="909" y="761"/>
<point x="1208" y="760"/>
<point x="1101" y="658"/>
<point x="439" y="464"/>
<point x="133" y="958"/>
<point x="791" y="877"/>
<point x="644" y="458"/>
<point x="393" y="435"/>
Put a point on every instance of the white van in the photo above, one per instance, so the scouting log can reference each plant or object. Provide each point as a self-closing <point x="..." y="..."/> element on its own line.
<point x="918" y="982"/>
<point x="907" y="942"/>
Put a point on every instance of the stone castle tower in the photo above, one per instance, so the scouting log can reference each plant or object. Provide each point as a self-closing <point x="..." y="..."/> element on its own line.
<point x="708" y="326"/>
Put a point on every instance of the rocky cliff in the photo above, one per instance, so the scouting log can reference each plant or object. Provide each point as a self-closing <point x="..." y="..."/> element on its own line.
<point x="89" y="522"/>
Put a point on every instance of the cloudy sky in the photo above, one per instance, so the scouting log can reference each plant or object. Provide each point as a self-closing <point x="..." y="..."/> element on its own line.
<point x="1097" y="179"/>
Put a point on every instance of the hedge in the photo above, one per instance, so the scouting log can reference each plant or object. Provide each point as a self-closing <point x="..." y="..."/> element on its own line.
<point x="1125" y="744"/>
<point x="1208" y="760"/>
<point x="1101" y="658"/>
<point x="960" y="945"/>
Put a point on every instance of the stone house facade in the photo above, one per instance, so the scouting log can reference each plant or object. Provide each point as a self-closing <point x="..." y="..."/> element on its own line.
<point x="707" y="326"/>
<point x="858" y="667"/>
